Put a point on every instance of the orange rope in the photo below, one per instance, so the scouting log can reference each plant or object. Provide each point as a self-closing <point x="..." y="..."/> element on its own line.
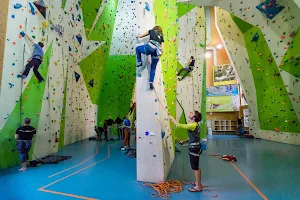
<point x="165" y="188"/>
<point x="160" y="101"/>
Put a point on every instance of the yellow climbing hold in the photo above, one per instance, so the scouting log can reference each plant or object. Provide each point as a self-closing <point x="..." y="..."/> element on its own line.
<point x="44" y="24"/>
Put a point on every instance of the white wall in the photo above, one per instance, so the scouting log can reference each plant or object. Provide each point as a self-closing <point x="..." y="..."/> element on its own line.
<point x="191" y="35"/>
<point x="154" y="154"/>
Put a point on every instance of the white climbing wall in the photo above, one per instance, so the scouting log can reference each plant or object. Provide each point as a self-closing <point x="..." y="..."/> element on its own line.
<point x="154" y="154"/>
<point x="191" y="43"/>
<point x="65" y="55"/>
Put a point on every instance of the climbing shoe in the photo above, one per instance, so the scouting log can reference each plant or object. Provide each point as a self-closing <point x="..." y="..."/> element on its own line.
<point x="151" y="86"/>
<point x="41" y="81"/>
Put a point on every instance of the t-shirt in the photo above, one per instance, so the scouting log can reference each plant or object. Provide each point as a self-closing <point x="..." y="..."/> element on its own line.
<point x="26" y="132"/>
<point x="239" y="121"/>
<point x="126" y="123"/>
<point x="156" y="36"/>
<point x="118" y="120"/>
<point x="38" y="52"/>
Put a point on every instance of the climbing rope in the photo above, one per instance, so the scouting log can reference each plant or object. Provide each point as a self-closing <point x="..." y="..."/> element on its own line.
<point x="164" y="189"/>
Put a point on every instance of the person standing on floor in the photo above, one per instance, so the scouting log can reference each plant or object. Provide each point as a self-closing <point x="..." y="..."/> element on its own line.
<point x="36" y="60"/>
<point x="188" y="69"/>
<point x="119" y="127"/>
<point x="110" y="124"/>
<point x="24" y="137"/>
<point x="127" y="129"/>
<point x="194" y="146"/>
<point x="155" y="48"/>
<point x="240" y="127"/>
<point x="105" y="125"/>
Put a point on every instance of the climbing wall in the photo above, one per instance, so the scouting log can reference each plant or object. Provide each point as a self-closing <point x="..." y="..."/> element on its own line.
<point x="272" y="114"/>
<point x="3" y="21"/>
<point x="155" y="152"/>
<point x="271" y="34"/>
<point x="191" y="42"/>
<point x="64" y="107"/>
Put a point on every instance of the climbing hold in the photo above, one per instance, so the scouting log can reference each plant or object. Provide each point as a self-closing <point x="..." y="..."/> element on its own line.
<point x="17" y="6"/>
<point x="44" y="24"/>
<point x="255" y="37"/>
<point x="11" y="85"/>
<point x="22" y="34"/>
<point x="79" y="38"/>
<point x="147" y="6"/>
<point x="31" y="9"/>
<point x="146" y="133"/>
<point x="276" y="129"/>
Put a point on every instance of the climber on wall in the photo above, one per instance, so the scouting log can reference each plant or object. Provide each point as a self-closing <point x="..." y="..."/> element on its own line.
<point x="194" y="146"/>
<point x="187" y="69"/>
<point x="24" y="137"/>
<point x="154" y="47"/>
<point x="36" y="60"/>
<point x="127" y="130"/>
<point x="240" y="128"/>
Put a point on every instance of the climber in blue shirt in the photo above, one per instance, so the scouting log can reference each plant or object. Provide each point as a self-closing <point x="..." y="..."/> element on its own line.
<point x="36" y="60"/>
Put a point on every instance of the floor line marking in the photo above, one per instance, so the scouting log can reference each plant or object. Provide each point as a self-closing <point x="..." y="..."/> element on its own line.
<point x="42" y="189"/>
<point x="76" y="165"/>
<point x="250" y="183"/>
<point x="68" y="195"/>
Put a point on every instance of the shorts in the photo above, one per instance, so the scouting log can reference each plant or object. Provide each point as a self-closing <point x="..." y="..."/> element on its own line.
<point x="194" y="160"/>
<point x="23" y="147"/>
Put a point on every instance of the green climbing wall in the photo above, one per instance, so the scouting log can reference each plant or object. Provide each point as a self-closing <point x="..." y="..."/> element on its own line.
<point x="117" y="87"/>
<point x="92" y="68"/>
<point x="166" y="15"/>
<point x="276" y="111"/>
<point x="29" y="106"/>
<point x="184" y="8"/>
<point x="291" y="60"/>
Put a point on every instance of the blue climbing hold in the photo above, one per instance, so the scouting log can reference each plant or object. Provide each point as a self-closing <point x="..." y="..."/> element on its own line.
<point x="70" y="49"/>
<point x="255" y="37"/>
<point x="11" y="85"/>
<point x="163" y="134"/>
<point x="32" y="9"/>
<point x="147" y="7"/>
<point x="146" y="133"/>
<point x="79" y="38"/>
<point x="17" y="6"/>
<point x="13" y="16"/>
<point x="22" y="33"/>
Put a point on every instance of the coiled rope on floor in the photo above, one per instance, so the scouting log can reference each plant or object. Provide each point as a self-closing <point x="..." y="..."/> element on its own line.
<point x="164" y="189"/>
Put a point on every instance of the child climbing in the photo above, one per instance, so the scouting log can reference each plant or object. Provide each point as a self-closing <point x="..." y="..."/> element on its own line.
<point x="154" y="47"/>
<point x="36" y="60"/>
<point x="187" y="69"/>
<point x="194" y="146"/>
<point x="126" y="128"/>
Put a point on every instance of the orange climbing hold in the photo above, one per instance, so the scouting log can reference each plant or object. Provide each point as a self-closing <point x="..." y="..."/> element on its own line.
<point x="276" y="129"/>
<point x="282" y="37"/>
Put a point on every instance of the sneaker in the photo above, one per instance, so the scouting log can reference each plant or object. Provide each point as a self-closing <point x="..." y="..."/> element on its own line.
<point x="151" y="86"/>
<point x="123" y="148"/>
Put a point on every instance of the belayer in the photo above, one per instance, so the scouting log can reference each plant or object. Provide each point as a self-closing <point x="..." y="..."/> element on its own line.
<point x="195" y="147"/>
<point x="155" y="48"/>
<point x="36" y="60"/>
